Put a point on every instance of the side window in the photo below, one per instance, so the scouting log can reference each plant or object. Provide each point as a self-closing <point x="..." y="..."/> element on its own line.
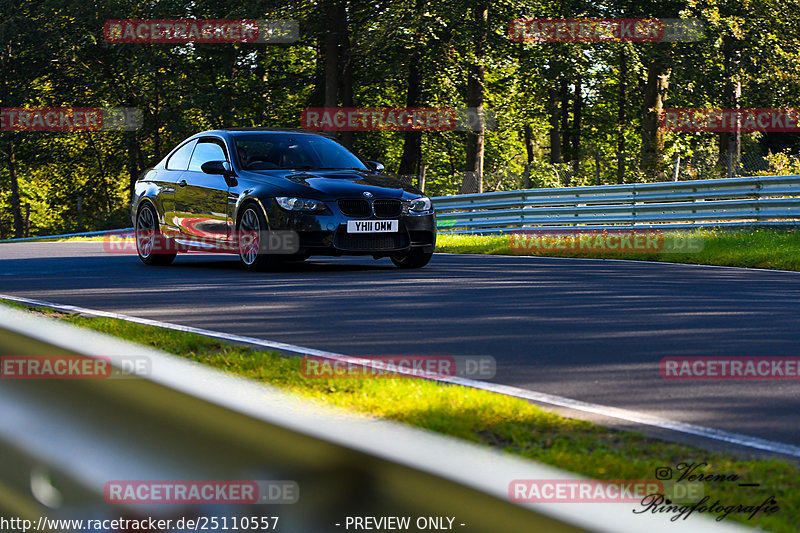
<point x="180" y="159"/>
<point x="207" y="150"/>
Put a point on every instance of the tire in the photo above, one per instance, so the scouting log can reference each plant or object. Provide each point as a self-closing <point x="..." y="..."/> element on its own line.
<point x="412" y="259"/>
<point x="251" y="223"/>
<point x="154" y="249"/>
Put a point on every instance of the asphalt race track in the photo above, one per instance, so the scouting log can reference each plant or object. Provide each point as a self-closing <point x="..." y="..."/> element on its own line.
<point x="590" y="330"/>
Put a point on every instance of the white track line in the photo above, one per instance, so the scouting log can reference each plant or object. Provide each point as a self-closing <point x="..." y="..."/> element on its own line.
<point x="738" y="439"/>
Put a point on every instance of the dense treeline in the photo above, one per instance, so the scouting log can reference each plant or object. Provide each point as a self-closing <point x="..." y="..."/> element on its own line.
<point x="566" y="113"/>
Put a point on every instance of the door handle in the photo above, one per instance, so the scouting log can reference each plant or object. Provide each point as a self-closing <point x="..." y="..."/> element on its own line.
<point x="182" y="183"/>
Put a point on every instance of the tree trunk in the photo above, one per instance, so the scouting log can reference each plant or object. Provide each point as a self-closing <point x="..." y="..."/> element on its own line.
<point x="156" y="125"/>
<point x="346" y="64"/>
<point x="412" y="140"/>
<point x="101" y="170"/>
<point x="475" y="139"/>
<point x="15" y="202"/>
<point x="529" y="152"/>
<point x="652" y="151"/>
<point x="566" y="134"/>
<point x="621" y="101"/>
<point x="331" y="55"/>
<point x="317" y="97"/>
<point x="555" y="134"/>
<point x="577" y="115"/>
<point x="134" y="154"/>
<point x="730" y="145"/>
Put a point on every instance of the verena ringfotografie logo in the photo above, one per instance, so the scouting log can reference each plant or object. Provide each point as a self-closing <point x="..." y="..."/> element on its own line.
<point x="401" y="366"/>
<point x="179" y="31"/>
<point x="607" y="241"/>
<point x="201" y="492"/>
<point x="696" y="474"/>
<point x="593" y="30"/>
<point x="71" y="367"/>
<point x="396" y="119"/>
<point x="582" y="490"/>
<point x="70" y="119"/>
<point x="730" y="120"/>
<point x="730" y="368"/>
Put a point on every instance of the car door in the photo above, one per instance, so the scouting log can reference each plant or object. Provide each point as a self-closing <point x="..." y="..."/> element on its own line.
<point x="176" y="166"/>
<point x="201" y="200"/>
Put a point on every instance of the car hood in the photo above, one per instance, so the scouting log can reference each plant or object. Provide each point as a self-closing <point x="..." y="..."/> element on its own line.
<point x="328" y="184"/>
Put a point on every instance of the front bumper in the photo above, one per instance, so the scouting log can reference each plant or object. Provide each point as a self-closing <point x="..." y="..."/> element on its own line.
<point x="327" y="234"/>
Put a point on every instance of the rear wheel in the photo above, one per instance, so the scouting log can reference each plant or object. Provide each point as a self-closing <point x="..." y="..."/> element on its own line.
<point x="153" y="247"/>
<point x="412" y="259"/>
<point x="252" y="226"/>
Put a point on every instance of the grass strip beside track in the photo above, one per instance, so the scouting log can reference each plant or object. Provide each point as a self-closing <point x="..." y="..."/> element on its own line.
<point x="759" y="248"/>
<point x="502" y="422"/>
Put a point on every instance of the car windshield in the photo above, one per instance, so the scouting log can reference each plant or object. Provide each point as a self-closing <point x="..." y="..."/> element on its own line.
<point x="267" y="151"/>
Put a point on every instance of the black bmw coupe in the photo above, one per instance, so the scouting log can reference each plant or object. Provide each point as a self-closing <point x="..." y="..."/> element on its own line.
<point x="276" y="195"/>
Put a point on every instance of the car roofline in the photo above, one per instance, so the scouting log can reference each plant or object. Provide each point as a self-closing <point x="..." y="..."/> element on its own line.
<point x="269" y="130"/>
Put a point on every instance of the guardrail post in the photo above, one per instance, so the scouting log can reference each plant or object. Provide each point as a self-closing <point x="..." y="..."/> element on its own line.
<point x="597" y="167"/>
<point x="677" y="168"/>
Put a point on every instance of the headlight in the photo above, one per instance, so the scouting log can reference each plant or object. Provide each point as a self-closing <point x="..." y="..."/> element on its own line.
<point x="300" y="204"/>
<point x="420" y="205"/>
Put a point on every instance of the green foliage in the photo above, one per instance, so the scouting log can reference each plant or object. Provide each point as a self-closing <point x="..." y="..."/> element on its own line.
<point x="783" y="163"/>
<point x="53" y="53"/>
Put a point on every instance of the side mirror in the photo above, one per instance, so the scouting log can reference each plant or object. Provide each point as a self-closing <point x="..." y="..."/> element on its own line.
<point x="377" y="167"/>
<point x="217" y="167"/>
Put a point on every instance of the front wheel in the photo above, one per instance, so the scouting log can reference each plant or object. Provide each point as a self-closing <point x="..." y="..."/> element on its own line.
<point x="412" y="259"/>
<point x="153" y="247"/>
<point x="252" y="226"/>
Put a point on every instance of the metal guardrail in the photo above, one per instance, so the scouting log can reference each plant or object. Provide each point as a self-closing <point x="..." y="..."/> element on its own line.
<point x="737" y="202"/>
<point x="730" y="202"/>
<point x="67" y="235"/>
<point x="62" y="440"/>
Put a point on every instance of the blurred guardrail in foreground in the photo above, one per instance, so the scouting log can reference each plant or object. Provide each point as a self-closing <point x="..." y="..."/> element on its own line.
<point x="63" y="440"/>
<point x="734" y="202"/>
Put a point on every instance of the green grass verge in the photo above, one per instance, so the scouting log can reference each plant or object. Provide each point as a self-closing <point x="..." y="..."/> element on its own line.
<point x="509" y="424"/>
<point x="760" y="248"/>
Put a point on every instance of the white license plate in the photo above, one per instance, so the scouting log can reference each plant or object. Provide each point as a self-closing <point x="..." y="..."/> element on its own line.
<point x="373" y="226"/>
